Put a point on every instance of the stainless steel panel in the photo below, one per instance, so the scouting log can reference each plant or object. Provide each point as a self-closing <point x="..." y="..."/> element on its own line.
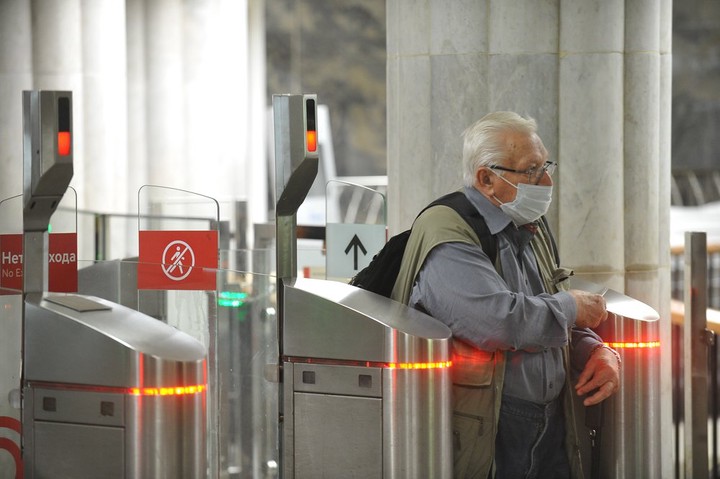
<point x="617" y="303"/>
<point x="337" y="436"/>
<point x="102" y="347"/>
<point x="630" y="433"/>
<point x="166" y="437"/>
<point x="72" y="451"/>
<point x="135" y="331"/>
<point x="83" y="407"/>
<point x="328" y="319"/>
<point x="117" y="281"/>
<point x="330" y="379"/>
<point x="417" y="426"/>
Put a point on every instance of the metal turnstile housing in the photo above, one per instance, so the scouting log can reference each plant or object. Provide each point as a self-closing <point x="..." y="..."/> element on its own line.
<point x="366" y="386"/>
<point x="110" y="392"/>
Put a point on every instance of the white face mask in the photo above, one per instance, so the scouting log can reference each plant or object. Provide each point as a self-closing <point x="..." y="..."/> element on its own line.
<point x="530" y="203"/>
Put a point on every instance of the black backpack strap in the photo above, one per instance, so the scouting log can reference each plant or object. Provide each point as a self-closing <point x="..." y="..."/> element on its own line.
<point x="461" y="204"/>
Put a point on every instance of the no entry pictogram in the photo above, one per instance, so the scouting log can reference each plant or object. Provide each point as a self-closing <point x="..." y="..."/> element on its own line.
<point x="178" y="260"/>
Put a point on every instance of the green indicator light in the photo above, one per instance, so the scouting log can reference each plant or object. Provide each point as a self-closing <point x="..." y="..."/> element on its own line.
<point x="49" y="228"/>
<point x="231" y="299"/>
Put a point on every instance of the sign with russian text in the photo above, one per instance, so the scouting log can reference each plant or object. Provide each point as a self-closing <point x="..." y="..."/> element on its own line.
<point x="62" y="262"/>
<point x="178" y="260"/>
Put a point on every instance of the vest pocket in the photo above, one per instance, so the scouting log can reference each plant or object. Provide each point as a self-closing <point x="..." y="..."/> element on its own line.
<point x="471" y="367"/>
<point x="472" y="447"/>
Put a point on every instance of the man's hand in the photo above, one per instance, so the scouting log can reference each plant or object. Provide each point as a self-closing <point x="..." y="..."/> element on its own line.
<point x="601" y="375"/>
<point x="590" y="309"/>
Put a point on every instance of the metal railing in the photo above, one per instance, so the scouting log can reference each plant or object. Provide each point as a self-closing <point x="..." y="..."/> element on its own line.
<point x="683" y="451"/>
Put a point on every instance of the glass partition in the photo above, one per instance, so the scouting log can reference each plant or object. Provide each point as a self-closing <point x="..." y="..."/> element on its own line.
<point x="356" y="228"/>
<point x="238" y="325"/>
<point x="235" y="320"/>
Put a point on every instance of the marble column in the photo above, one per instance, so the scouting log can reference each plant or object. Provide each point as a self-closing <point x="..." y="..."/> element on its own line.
<point x="105" y="113"/>
<point x="256" y="151"/>
<point x="165" y="134"/>
<point x="137" y="109"/>
<point x="596" y="76"/>
<point x="15" y="76"/>
<point x="215" y="70"/>
<point x="105" y="105"/>
<point x="57" y="65"/>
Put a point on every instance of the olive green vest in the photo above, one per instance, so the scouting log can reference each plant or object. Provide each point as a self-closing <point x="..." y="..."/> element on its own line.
<point x="477" y="375"/>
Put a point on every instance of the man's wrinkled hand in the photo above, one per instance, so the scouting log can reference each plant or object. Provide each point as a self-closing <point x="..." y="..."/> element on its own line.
<point x="601" y="377"/>
<point x="591" y="309"/>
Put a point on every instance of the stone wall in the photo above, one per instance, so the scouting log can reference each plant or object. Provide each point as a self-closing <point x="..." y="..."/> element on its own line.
<point x="335" y="48"/>
<point x="696" y="85"/>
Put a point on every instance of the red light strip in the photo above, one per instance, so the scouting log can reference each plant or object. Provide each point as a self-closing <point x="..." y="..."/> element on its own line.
<point x="633" y="345"/>
<point x="370" y="364"/>
<point x="168" y="391"/>
<point x="139" y="391"/>
<point x="438" y="365"/>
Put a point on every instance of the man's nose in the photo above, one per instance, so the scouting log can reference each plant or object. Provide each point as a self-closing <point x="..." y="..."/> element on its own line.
<point x="545" y="179"/>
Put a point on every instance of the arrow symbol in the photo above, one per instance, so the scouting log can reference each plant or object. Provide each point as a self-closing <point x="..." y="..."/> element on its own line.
<point x="355" y="243"/>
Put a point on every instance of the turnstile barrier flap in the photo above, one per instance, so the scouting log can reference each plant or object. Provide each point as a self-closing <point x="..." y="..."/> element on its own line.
<point x="333" y="320"/>
<point x="616" y="302"/>
<point x="85" y="344"/>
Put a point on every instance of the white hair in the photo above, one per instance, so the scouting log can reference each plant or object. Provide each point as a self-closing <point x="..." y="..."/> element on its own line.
<point x="483" y="140"/>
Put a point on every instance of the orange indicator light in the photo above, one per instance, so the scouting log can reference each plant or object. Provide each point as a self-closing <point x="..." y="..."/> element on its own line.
<point x="311" y="138"/>
<point x="63" y="143"/>
<point x="169" y="391"/>
<point x="633" y="345"/>
<point x="438" y="365"/>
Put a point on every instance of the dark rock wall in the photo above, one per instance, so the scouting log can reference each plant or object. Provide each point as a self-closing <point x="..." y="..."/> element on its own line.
<point x="335" y="48"/>
<point x="696" y="85"/>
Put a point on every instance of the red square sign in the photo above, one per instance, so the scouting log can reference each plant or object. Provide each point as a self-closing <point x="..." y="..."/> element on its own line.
<point x="178" y="260"/>
<point x="62" y="262"/>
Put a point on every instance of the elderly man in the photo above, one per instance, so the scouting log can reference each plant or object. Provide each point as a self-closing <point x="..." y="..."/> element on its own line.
<point x="519" y="334"/>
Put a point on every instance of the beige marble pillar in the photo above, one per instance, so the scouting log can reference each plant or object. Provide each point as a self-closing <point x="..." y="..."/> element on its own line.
<point x="256" y="151"/>
<point x="216" y="78"/>
<point x="105" y="105"/>
<point x="57" y="65"/>
<point x="137" y="166"/>
<point x="165" y="99"/>
<point x="596" y="76"/>
<point x="15" y="76"/>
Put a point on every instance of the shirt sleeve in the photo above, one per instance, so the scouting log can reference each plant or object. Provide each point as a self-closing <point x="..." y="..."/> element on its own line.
<point x="583" y="342"/>
<point x="459" y="286"/>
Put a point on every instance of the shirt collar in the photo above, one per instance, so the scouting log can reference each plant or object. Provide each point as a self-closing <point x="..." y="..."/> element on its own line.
<point x="494" y="217"/>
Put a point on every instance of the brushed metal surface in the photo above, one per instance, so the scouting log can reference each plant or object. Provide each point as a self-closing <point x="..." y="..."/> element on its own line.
<point x="328" y="319"/>
<point x="617" y="302"/>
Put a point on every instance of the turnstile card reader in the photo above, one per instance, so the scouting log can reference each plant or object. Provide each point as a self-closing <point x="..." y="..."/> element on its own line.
<point x="366" y="386"/>
<point x="107" y="391"/>
<point x="110" y="392"/>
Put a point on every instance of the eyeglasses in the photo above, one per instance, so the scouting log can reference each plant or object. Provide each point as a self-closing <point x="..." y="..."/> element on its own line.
<point x="534" y="174"/>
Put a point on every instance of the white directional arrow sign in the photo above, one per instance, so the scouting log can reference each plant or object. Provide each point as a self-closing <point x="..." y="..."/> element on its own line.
<point x="350" y="247"/>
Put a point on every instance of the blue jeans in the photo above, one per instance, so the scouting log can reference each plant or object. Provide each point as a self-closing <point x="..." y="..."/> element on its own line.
<point x="530" y="441"/>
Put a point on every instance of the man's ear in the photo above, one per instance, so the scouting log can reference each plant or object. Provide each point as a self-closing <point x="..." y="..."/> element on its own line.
<point x="483" y="182"/>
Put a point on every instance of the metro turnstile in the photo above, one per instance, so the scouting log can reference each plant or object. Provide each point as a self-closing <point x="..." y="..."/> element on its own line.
<point x="110" y="392"/>
<point x="629" y="435"/>
<point x="366" y="386"/>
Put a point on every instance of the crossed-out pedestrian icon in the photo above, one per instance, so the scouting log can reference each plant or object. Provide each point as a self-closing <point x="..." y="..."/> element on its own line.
<point x="178" y="260"/>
